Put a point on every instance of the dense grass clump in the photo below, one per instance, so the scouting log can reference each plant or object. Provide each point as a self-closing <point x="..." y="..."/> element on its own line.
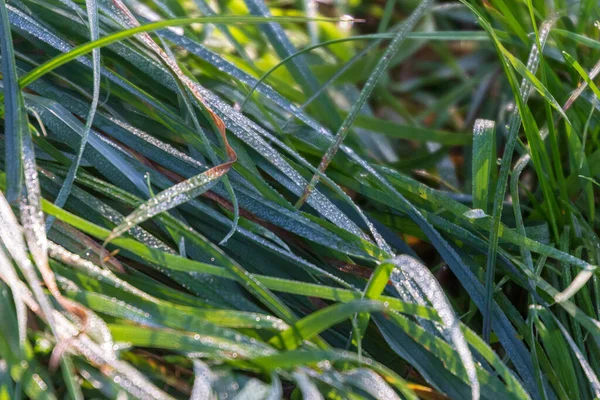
<point x="251" y="200"/>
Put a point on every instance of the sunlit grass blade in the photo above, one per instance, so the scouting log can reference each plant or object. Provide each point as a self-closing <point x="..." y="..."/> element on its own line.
<point x="584" y="75"/>
<point x="592" y="75"/>
<point x="483" y="162"/>
<point x="84" y="49"/>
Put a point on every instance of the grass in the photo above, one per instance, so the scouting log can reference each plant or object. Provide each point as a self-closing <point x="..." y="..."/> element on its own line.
<point x="258" y="201"/>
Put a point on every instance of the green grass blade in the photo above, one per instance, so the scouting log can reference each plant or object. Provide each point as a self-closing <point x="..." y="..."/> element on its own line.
<point x="319" y="321"/>
<point x="484" y="159"/>
<point x="584" y="75"/>
<point x="15" y="117"/>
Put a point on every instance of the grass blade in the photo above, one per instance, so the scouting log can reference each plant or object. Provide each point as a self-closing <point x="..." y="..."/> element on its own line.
<point x="15" y="117"/>
<point x="484" y="159"/>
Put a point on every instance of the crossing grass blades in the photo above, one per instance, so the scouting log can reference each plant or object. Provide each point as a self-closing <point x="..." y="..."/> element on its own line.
<point x="261" y="201"/>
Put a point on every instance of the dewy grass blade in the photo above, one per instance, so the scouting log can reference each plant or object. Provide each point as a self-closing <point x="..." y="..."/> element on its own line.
<point x="484" y="160"/>
<point x="436" y="296"/>
<point x="15" y="117"/>
<point x="12" y="238"/>
<point x="309" y="390"/>
<point x="534" y="82"/>
<point x="9" y="275"/>
<point x="173" y="197"/>
<point x="371" y="383"/>
<point x="32" y="219"/>
<point x="202" y="381"/>
<point x="381" y="67"/>
<point x="92" y="14"/>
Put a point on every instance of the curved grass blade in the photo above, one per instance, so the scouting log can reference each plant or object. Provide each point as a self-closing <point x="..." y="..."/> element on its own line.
<point x="308" y="49"/>
<point x="214" y="159"/>
<point x="331" y="80"/>
<point x="86" y="48"/>
<point x="368" y="88"/>
<point x="173" y="197"/>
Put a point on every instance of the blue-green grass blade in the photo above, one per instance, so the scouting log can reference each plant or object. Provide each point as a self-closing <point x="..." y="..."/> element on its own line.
<point x="15" y="117"/>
